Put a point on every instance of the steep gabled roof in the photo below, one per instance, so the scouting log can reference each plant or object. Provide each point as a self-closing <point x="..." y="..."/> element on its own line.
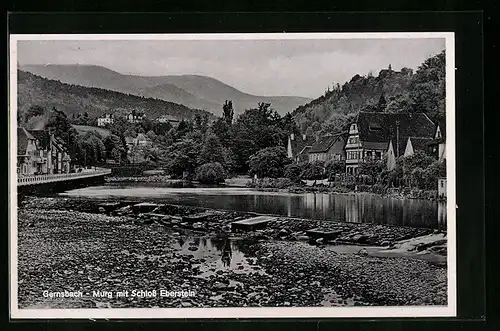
<point x="326" y="142"/>
<point x="420" y="144"/>
<point x="402" y="146"/>
<point x="376" y="127"/>
<point x="23" y="136"/>
<point x="442" y="126"/>
<point x="42" y="136"/>
<point x="299" y="144"/>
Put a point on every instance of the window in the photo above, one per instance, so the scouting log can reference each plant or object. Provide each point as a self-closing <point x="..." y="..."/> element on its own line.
<point x="378" y="155"/>
<point x="369" y="154"/>
<point x="442" y="184"/>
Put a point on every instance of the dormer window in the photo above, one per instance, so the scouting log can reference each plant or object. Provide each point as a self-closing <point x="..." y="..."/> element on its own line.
<point x="354" y="127"/>
<point x="374" y="127"/>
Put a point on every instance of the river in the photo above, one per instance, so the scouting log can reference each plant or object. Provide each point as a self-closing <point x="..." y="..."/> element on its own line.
<point x="360" y="208"/>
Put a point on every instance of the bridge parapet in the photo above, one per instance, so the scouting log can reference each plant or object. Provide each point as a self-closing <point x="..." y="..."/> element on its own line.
<point x="50" y="178"/>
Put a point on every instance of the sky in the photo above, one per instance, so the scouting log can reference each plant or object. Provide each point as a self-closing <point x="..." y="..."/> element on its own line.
<point x="303" y="67"/>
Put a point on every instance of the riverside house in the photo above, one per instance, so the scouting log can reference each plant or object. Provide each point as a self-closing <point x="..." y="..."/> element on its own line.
<point x="328" y="148"/>
<point x="438" y="145"/>
<point x="373" y="135"/>
<point x="298" y="147"/>
<point x="40" y="152"/>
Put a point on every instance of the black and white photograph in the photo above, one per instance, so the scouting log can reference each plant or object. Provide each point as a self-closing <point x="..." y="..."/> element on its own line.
<point x="232" y="175"/>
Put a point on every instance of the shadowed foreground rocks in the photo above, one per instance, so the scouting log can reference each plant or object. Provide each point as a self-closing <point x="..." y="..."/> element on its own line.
<point x="65" y="245"/>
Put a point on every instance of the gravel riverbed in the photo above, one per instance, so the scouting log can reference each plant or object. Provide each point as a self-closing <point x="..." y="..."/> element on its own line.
<point x="72" y="245"/>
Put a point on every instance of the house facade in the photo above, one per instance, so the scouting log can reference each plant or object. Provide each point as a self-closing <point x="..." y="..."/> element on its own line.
<point x="438" y="145"/>
<point x="40" y="152"/>
<point x="373" y="135"/>
<point x="442" y="187"/>
<point x="142" y="140"/>
<point x="328" y="148"/>
<point x="168" y="119"/>
<point x="134" y="117"/>
<point x="105" y="119"/>
<point x="298" y="147"/>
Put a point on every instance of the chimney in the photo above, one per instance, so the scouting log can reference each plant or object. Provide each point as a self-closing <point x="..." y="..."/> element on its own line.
<point x="397" y="138"/>
<point x="304" y="137"/>
<point x="292" y="136"/>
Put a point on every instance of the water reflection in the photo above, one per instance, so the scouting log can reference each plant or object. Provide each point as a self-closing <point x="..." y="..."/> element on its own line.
<point x="364" y="208"/>
<point x="216" y="254"/>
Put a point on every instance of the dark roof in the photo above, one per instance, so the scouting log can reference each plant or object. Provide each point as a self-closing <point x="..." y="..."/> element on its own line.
<point x="381" y="127"/>
<point x="23" y="136"/>
<point x="299" y="143"/>
<point x="442" y="126"/>
<point x="42" y="136"/>
<point x="326" y="142"/>
<point x="420" y="144"/>
<point x="402" y="146"/>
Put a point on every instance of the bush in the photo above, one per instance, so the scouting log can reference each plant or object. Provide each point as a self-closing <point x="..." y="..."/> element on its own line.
<point x="313" y="171"/>
<point x="334" y="167"/>
<point x="293" y="171"/>
<point x="210" y="173"/>
<point x="269" y="162"/>
<point x="277" y="183"/>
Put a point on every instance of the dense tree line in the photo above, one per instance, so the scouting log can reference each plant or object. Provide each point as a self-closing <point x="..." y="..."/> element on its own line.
<point x="390" y="91"/>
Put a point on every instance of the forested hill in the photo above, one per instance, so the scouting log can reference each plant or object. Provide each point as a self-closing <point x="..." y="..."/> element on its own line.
<point x="73" y="99"/>
<point x="389" y="91"/>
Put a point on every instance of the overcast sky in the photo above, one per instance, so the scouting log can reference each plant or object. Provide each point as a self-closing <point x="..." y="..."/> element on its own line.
<point x="264" y="67"/>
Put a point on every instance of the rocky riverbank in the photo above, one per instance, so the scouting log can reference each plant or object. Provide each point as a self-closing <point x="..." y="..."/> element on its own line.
<point x="85" y="245"/>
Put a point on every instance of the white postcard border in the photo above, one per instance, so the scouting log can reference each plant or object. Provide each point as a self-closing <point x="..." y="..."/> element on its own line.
<point x="240" y="312"/>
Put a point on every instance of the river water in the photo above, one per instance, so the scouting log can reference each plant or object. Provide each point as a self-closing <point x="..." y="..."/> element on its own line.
<point x="360" y="208"/>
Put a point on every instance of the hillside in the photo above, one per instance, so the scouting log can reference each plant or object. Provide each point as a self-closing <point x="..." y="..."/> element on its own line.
<point x="73" y="99"/>
<point x="389" y="91"/>
<point x="87" y="128"/>
<point x="175" y="94"/>
<point x="199" y="92"/>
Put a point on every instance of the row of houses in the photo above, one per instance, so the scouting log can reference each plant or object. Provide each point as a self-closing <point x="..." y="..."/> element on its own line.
<point x="135" y="117"/>
<point x="374" y="135"/>
<point x="41" y="152"/>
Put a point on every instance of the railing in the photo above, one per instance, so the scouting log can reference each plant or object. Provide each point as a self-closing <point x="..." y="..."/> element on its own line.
<point x="49" y="178"/>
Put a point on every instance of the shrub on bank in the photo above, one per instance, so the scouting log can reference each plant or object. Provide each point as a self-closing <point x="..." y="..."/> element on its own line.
<point x="210" y="173"/>
<point x="276" y="183"/>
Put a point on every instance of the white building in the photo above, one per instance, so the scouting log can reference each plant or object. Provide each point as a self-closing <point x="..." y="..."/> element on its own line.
<point x="135" y="117"/>
<point x="105" y="119"/>
<point x="168" y="119"/>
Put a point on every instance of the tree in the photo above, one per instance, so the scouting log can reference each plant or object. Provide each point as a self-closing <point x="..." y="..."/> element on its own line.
<point x="223" y="131"/>
<point x="371" y="168"/>
<point x="35" y="110"/>
<point x="114" y="148"/>
<point x="313" y="170"/>
<point x="151" y="135"/>
<point x="182" y="158"/>
<point x="255" y="129"/>
<point x="428" y="85"/>
<point x="269" y="162"/>
<point x="228" y="112"/>
<point x="334" y="167"/>
<point x="381" y="103"/>
<point x="210" y="173"/>
<point x="211" y="150"/>
<point x="293" y="171"/>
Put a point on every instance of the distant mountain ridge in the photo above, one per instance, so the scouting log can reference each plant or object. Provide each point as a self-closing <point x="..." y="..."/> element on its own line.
<point x="74" y="99"/>
<point x="193" y="91"/>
